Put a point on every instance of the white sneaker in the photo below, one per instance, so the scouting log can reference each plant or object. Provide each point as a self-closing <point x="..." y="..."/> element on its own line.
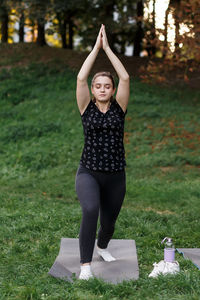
<point x="105" y="254"/>
<point x="158" y="269"/>
<point x="165" y="268"/>
<point x="85" y="273"/>
<point x="171" y="268"/>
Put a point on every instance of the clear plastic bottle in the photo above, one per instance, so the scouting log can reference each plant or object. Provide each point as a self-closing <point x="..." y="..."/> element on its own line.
<point x="169" y="251"/>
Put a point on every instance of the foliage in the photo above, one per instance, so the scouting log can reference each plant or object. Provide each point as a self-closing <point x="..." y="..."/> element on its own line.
<point x="117" y="15"/>
<point x="4" y="18"/>
<point x="185" y="58"/>
<point x="191" y="17"/>
<point x="41" y="141"/>
<point x="126" y="26"/>
<point x="62" y="17"/>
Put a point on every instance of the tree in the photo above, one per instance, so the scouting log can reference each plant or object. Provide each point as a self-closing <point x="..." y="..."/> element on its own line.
<point x="186" y="57"/>
<point x="20" y="8"/>
<point x="150" y="33"/>
<point x="127" y="26"/>
<point x="37" y="11"/>
<point x="191" y="39"/>
<point x="165" y="48"/>
<point x="118" y="17"/>
<point x="64" y="14"/>
<point x="175" y="7"/>
<point x="98" y="12"/>
<point x="21" y="27"/>
<point x="139" y="31"/>
<point x="4" y="18"/>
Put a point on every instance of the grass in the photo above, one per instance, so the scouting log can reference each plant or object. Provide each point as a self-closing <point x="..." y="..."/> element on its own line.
<point x="40" y="146"/>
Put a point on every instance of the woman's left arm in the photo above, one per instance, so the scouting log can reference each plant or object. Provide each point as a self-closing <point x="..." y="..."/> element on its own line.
<point x="123" y="92"/>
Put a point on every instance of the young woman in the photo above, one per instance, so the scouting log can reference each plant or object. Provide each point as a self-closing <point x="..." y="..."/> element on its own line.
<point x="100" y="179"/>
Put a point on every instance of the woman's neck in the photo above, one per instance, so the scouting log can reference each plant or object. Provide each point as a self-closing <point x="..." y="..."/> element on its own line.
<point x="103" y="106"/>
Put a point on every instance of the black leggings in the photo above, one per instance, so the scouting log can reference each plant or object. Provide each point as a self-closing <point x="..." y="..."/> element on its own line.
<point x="98" y="192"/>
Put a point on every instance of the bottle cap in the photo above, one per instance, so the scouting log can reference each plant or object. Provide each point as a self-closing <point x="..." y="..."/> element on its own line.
<point x="168" y="240"/>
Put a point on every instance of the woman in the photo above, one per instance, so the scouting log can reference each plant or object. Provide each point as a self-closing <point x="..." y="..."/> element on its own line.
<point x="100" y="179"/>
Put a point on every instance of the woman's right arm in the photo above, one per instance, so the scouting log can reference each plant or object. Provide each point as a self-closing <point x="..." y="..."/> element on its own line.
<point x="82" y="89"/>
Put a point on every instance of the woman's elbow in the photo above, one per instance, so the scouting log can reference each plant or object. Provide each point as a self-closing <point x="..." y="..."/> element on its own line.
<point x="125" y="77"/>
<point x="80" y="78"/>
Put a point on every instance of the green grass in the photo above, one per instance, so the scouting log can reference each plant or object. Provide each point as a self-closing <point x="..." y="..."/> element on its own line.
<point x="41" y="141"/>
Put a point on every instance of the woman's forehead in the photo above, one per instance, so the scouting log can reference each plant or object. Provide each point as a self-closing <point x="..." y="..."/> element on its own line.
<point x="103" y="80"/>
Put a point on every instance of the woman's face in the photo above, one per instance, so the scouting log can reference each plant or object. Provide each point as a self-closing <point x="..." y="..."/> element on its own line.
<point x="102" y="89"/>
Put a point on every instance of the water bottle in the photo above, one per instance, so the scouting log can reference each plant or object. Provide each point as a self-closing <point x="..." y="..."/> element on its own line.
<point x="169" y="251"/>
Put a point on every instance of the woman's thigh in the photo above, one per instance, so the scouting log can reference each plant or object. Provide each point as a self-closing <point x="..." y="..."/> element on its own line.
<point x="88" y="191"/>
<point x="112" y="196"/>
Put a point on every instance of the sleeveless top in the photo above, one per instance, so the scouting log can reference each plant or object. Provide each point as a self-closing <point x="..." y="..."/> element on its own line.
<point x="103" y="132"/>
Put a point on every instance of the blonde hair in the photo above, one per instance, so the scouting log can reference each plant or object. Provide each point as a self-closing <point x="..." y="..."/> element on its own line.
<point x="106" y="74"/>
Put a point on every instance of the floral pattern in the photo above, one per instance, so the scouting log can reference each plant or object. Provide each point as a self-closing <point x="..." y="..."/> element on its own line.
<point x="103" y="148"/>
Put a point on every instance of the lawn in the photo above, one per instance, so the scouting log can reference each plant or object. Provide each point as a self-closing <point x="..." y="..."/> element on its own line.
<point x="41" y="141"/>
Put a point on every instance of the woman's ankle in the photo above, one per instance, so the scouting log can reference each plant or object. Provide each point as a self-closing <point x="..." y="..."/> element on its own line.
<point x="100" y="248"/>
<point x="86" y="264"/>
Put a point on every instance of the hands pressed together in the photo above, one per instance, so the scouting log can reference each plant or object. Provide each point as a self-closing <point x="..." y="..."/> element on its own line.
<point x="102" y="41"/>
<point x="83" y="93"/>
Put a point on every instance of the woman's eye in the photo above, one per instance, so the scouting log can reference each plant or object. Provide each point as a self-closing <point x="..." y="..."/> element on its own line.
<point x="98" y="86"/>
<point x="108" y="86"/>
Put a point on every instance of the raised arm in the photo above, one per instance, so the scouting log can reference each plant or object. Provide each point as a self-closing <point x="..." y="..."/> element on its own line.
<point x="82" y="89"/>
<point x="122" y="95"/>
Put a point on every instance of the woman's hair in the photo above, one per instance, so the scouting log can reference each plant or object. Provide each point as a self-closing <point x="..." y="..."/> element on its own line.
<point x="103" y="73"/>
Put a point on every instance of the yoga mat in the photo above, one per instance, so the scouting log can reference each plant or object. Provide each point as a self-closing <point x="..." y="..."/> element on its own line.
<point x="191" y="253"/>
<point x="125" y="267"/>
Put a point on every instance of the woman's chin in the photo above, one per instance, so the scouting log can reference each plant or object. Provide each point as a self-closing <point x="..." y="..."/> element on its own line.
<point x="103" y="99"/>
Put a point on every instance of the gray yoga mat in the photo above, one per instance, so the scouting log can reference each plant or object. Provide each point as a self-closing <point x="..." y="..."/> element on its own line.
<point x="191" y="253"/>
<point x="67" y="263"/>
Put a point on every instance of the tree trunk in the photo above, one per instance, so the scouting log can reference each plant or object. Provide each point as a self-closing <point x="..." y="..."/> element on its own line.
<point x="139" y="32"/>
<point x="153" y="37"/>
<point x="62" y="23"/>
<point x="109" y="8"/>
<point x="176" y="6"/>
<point x="123" y="47"/>
<point x="71" y="34"/>
<point x="41" y="33"/>
<point x="196" y="23"/>
<point x="165" y="50"/>
<point x="33" y="34"/>
<point x="21" y="28"/>
<point x="177" y="27"/>
<point x="4" y="25"/>
<point x="63" y="32"/>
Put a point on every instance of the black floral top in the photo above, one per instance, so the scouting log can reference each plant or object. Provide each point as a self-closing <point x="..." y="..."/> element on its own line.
<point x="103" y="148"/>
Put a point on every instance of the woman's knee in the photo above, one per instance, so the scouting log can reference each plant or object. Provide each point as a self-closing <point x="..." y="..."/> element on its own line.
<point x="90" y="211"/>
